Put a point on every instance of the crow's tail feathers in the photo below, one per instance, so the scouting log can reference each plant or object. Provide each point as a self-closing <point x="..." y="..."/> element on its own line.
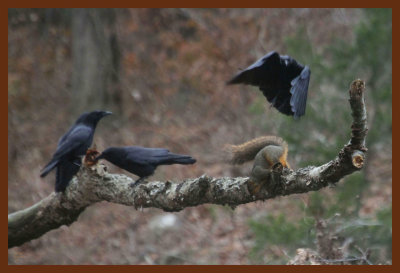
<point x="50" y="166"/>
<point x="177" y="159"/>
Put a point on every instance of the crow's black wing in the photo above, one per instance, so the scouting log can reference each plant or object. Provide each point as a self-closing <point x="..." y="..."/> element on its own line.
<point x="142" y="155"/>
<point x="77" y="137"/>
<point x="299" y="92"/>
<point x="67" y="134"/>
<point x="156" y="156"/>
<point x="260" y="73"/>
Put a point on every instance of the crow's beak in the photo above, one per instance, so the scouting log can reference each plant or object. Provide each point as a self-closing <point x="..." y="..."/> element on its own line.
<point x="98" y="158"/>
<point x="106" y="113"/>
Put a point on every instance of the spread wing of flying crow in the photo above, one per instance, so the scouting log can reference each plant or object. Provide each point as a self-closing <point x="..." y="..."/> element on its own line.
<point x="283" y="81"/>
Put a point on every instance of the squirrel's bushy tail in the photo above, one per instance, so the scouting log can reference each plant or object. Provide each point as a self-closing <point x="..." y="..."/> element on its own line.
<point x="239" y="154"/>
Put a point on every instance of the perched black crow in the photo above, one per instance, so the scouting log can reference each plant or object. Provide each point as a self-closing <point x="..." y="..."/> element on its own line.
<point x="71" y="147"/>
<point x="283" y="81"/>
<point x="142" y="161"/>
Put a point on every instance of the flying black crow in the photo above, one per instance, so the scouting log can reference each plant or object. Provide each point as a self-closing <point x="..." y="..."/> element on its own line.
<point x="283" y="81"/>
<point x="142" y="161"/>
<point x="71" y="147"/>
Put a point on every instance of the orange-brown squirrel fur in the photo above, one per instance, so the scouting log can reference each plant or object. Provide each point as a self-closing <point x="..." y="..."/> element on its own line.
<point x="259" y="147"/>
<point x="266" y="151"/>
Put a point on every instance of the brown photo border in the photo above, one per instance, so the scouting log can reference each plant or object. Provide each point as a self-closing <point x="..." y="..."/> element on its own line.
<point x="180" y="268"/>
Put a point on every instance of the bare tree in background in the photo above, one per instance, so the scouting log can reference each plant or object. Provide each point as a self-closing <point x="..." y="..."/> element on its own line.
<point x="95" y="58"/>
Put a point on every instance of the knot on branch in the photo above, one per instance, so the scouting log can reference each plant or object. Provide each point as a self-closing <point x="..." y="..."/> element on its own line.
<point x="357" y="88"/>
<point x="204" y="185"/>
<point x="357" y="158"/>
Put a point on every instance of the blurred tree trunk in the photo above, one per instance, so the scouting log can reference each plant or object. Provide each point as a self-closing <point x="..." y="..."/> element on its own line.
<point x="95" y="58"/>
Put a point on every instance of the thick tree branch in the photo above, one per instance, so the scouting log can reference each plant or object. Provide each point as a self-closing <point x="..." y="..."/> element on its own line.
<point x="93" y="185"/>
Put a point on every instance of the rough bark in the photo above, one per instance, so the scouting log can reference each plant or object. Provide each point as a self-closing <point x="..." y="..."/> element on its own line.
<point x="94" y="184"/>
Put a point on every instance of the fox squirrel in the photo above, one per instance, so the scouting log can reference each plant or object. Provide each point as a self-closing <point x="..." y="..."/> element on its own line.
<point x="269" y="154"/>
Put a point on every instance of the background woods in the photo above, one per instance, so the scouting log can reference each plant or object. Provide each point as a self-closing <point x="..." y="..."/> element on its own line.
<point x="163" y="72"/>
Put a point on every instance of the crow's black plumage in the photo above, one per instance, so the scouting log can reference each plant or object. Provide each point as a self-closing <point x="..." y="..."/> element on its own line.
<point x="283" y="81"/>
<point x="142" y="161"/>
<point x="71" y="147"/>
